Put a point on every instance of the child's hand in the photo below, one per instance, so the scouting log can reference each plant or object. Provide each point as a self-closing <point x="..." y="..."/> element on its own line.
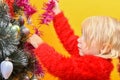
<point x="35" y="40"/>
<point x="56" y="9"/>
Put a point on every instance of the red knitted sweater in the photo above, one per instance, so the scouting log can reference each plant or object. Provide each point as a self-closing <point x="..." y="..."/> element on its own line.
<point x="76" y="67"/>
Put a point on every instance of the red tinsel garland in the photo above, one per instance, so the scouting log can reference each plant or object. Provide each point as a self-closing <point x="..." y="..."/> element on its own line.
<point x="27" y="8"/>
<point x="10" y="5"/>
<point x="23" y="4"/>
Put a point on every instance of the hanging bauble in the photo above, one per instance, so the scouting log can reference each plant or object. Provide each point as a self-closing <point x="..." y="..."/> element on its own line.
<point x="21" y="21"/>
<point x="24" y="77"/>
<point x="6" y="68"/>
<point x="15" y="28"/>
<point x="9" y="24"/>
<point x="34" y="77"/>
<point x="25" y="30"/>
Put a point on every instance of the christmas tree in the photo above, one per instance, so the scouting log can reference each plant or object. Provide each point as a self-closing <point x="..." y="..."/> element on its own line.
<point x="16" y="58"/>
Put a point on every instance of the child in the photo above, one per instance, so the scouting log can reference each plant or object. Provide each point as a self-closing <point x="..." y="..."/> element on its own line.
<point x="91" y="60"/>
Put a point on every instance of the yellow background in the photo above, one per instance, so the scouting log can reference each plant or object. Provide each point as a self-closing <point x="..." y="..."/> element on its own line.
<point x="75" y="11"/>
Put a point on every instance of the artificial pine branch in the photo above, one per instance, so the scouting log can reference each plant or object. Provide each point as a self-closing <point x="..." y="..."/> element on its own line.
<point x="13" y="47"/>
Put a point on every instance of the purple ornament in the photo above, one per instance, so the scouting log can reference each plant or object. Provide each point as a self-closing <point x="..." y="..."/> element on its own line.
<point x="25" y="30"/>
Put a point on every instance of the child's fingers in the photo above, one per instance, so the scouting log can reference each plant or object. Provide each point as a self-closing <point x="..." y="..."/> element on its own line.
<point x="29" y="40"/>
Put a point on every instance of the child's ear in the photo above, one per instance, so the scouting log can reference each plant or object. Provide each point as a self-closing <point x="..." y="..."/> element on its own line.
<point x="106" y="48"/>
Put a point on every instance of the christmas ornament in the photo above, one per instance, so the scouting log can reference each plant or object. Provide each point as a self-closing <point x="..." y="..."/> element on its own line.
<point x="25" y="30"/>
<point x="15" y="28"/>
<point x="24" y="77"/>
<point x="21" y="21"/>
<point x="6" y="68"/>
<point x="34" y="77"/>
<point x="10" y="25"/>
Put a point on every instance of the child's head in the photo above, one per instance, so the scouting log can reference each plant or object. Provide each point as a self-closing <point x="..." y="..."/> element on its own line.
<point x="100" y="37"/>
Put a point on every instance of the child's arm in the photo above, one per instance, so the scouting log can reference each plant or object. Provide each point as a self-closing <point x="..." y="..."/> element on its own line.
<point x="73" y="68"/>
<point x="64" y="31"/>
<point x="83" y="68"/>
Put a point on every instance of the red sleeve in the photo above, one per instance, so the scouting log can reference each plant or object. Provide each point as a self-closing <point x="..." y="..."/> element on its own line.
<point x="66" y="34"/>
<point x="73" y="68"/>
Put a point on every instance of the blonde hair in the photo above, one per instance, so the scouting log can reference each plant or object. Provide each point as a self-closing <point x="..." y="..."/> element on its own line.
<point x="103" y="29"/>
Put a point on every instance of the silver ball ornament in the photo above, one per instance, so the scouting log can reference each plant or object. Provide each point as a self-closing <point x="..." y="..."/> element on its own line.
<point x="25" y="30"/>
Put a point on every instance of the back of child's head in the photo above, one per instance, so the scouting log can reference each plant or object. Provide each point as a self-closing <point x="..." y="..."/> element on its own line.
<point x="103" y="30"/>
